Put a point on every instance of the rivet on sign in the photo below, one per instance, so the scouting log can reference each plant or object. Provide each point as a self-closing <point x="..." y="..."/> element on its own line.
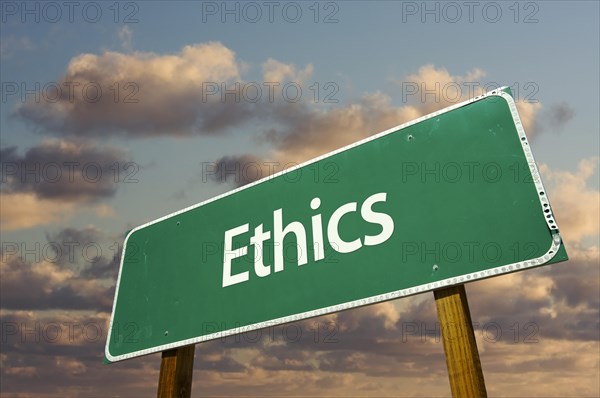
<point x="435" y="267"/>
<point x="166" y="332"/>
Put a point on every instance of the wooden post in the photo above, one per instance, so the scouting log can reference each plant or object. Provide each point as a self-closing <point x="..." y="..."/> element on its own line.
<point x="176" y="368"/>
<point x="462" y="357"/>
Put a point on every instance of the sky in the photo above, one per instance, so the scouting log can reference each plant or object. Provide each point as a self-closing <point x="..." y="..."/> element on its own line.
<point x="117" y="113"/>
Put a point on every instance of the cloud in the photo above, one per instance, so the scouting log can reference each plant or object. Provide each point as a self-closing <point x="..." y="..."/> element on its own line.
<point x="59" y="353"/>
<point x="126" y="37"/>
<point x="516" y="343"/>
<point x="575" y="202"/>
<point x="97" y="255"/>
<point x="105" y="211"/>
<point x="240" y="170"/>
<point x="528" y="112"/>
<point x="279" y="72"/>
<point x="53" y="180"/>
<point x="537" y="119"/>
<point x="433" y="88"/>
<point x="61" y="169"/>
<point x="47" y="285"/>
<point x="559" y="301"/>
<point x="557" y="116"/>
<point x="142" y="94"/>
<point x="200" y="90"/>
<point x="307" y="132"/>
<point x="73" y="269"/>
<point x="373" y="349"/>
<point x="301" y="131"/>
<point x="26" y="210"/>
<point x="11" y="45"/>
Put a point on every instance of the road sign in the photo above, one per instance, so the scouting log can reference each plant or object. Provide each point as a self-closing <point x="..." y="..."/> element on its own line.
<point x="452" y="197"/>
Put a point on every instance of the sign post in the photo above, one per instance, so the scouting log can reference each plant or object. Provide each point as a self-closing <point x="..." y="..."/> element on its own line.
<point x="462" y="357"/>
<point x="449" y="198"/>
<point x="176" y="369"/>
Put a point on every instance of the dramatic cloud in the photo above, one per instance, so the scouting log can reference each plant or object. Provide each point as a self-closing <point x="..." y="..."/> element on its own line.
<point x="200" y="90"/>
<point x="62" y="170"/>
<point x="374" y="350"/>
<point x="73" y="269"/>
<point x="528" y="325"/>
<point x="59" y="353"/>
<point x="142" y="94"/>
<point x="46" y="285"/>
<point x="52" y="180"/>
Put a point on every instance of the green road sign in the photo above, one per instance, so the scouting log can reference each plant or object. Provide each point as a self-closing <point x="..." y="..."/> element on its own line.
<point x="449" y="198"/>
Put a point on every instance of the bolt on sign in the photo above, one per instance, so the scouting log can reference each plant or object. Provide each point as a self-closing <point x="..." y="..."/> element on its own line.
<point x="452" y="197"/>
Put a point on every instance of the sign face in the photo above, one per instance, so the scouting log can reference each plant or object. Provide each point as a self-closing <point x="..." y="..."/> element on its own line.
<point x="449" y="198"/>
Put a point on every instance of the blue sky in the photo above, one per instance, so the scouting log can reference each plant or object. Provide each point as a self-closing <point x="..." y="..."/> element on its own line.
<point x="366" y="56"/>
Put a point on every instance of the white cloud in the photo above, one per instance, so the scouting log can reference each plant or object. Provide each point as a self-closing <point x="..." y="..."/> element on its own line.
<point x="126" y="37"/>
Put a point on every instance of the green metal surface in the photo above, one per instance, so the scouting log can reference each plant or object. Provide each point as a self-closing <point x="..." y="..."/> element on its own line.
<point x="460" y="186"/>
